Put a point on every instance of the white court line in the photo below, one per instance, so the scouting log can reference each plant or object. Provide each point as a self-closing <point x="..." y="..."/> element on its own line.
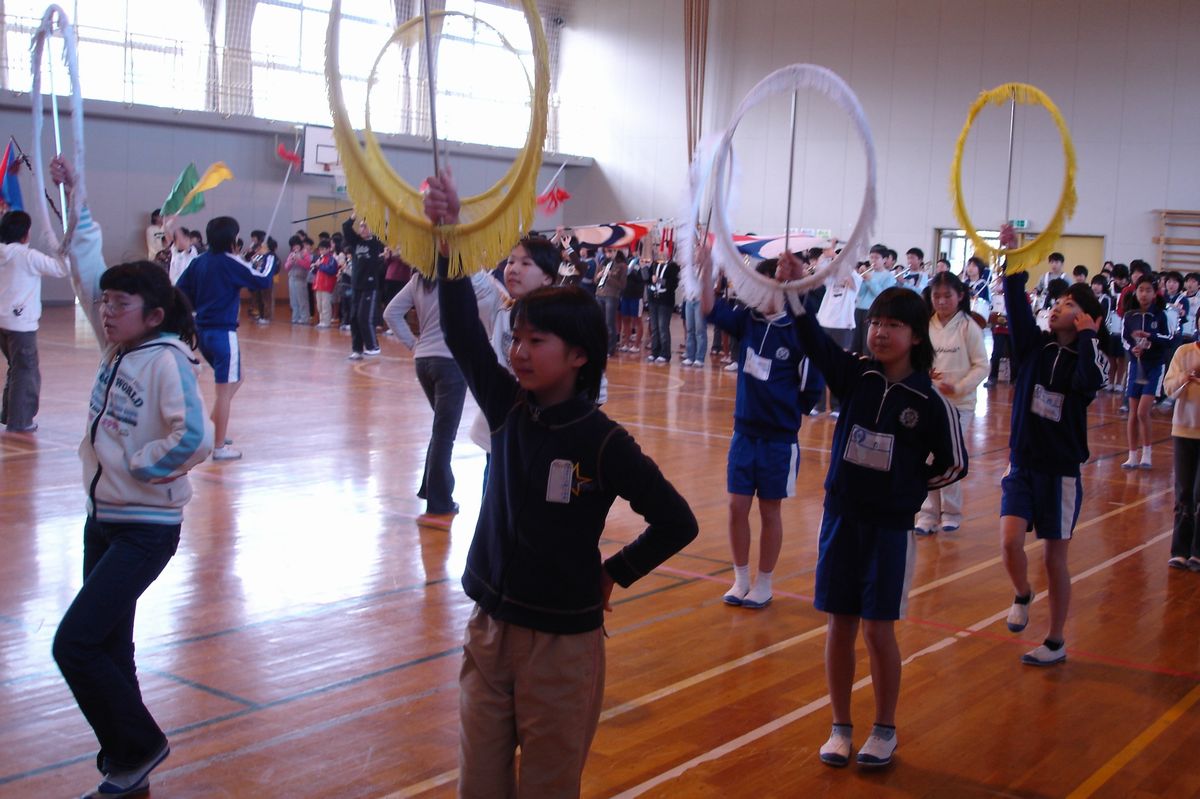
<point x="449" y="776"/>
<point x="817" y="704"/>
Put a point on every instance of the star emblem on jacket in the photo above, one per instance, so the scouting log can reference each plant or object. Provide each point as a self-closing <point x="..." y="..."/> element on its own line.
<point x="578" y="482"/>
<point x="909" y="417"/>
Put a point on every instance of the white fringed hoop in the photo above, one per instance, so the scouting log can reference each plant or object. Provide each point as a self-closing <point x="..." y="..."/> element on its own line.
<point x="751" y="287"/>
<point x="79" y="193"/>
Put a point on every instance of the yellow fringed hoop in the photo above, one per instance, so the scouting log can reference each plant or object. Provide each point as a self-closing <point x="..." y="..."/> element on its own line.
<point x="1020" y="258"/>
<point x="490" y="222"/>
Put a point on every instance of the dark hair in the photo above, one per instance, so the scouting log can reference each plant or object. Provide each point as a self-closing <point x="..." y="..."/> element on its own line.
<point x="880" y="250"/>
<point x="952" y="282"/>
<point x="544" y="253"/>
<point x="1172" y="275"/>
<point x="1080" y="270"/>
<point x="767" y="267"/>
<point x="272" y="245"/>
<point x="946" y="261"/>
<point x="907" y="307"/>
<point x="1191" y="276"/>
<point x="295" y="241"/>
<point x="324" y="244"/>
<point x="573" y="315"/>
<point x="221" y="233"/>
<point x="1057" y="256"/>
<point x="1100" y="281"/>
<point x="1056" y="288"/>
<point x="14" y="227"/>
<point x="1082" y="296"/>
<point x="815" y="253"/>
<point x="258" y="235"/>
<point x="917" y="251"/>
<point x="892" y="254"/>
<point x="1131" y="300"/>
<point x="1121" y="271"/>
<point x="620" y="256"/>
<point x="148" y="281"/>
<point x="1138" y="265"/>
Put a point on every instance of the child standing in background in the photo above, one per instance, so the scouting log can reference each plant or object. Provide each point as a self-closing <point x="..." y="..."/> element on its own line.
<point x="1183" y="384"/>
<point x="960" y="364"/>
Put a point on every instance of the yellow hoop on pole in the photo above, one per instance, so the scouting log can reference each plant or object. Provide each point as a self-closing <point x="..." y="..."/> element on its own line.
<point x="491" y="222"/>
<point x="1020" y="258"/>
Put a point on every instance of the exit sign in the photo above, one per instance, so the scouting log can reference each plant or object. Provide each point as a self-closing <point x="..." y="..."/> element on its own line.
<point x="1019" y="224"/>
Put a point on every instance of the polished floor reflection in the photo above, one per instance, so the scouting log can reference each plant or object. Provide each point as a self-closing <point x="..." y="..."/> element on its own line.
<point x="305" y="640"/>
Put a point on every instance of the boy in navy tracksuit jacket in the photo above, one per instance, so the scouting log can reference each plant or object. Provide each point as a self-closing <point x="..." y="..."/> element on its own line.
<point x="533" y="660"/>
<point x="213" y="282"/>
<point x="1057" y="376"/>
<point x="776" y="387"/>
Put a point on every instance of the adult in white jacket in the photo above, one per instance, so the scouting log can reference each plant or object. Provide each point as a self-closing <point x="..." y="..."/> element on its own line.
<point x="960" y="364"/>
<point x="146" y="428"/>
<point x="21" y="273"/>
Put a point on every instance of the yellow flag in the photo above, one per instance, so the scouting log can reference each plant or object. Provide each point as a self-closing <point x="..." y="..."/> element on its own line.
<point x="214" y="176"/>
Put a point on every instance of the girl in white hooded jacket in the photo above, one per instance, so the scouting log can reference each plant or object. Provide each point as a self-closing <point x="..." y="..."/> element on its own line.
<point x="146" y="428"/>
<point x="960" y="364"/>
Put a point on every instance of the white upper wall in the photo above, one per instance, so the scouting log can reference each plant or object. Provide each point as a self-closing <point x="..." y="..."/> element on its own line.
<point x="1125" y="74"/>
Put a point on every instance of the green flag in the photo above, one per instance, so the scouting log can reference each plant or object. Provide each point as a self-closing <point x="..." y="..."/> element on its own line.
<point x="188" y="179"/>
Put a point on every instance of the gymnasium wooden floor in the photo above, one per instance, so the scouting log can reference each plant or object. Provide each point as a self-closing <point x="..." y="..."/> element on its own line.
<point x="305" y="641"/>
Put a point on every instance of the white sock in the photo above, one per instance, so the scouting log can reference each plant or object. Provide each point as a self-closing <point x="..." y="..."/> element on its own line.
<point x="741" y="582"/>
<point x="1146" y="454"/>
<point x="1133" y="457"/>
<point x="761" y="591"/>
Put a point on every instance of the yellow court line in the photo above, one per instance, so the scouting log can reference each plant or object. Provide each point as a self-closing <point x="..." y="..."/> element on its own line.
<point x="1136" y="746"/>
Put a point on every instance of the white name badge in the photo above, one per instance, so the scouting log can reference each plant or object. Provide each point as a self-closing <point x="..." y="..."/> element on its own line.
<point x="869" y="449"/>
<point x="558" y="485"/>
<point x="1047" y="404"/>
<point x="757" y="366"/>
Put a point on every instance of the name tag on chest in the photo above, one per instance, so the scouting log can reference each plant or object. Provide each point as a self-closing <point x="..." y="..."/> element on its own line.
<point x="1047" y="404"/>
<point x="869" y="449"/>
<point x="560" y="481"/>
<point x="757" y="366"/>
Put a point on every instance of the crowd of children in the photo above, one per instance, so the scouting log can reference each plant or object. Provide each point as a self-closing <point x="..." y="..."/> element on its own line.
<point x="901" y="349"/>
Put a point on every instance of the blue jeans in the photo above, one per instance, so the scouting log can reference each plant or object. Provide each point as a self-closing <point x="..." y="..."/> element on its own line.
<point x="445" y="389"/>
<point x="660" y="330"/>
<point x="697" y="331"/>
<point x="610" y="305"/>
<point x="298" y="296"/>
<point x="94" y="643"/>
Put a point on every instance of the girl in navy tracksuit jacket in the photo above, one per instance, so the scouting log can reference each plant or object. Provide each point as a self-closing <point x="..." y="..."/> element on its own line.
<point x="1058" y="373"/>
<point x="896" y="439"/>
<point x="1147" y="337"/>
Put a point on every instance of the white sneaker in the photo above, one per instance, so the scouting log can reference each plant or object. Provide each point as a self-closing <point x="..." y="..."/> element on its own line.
<point x="698" y="364"/>
<point x="1018" y="614"/>
<point x="1132" y="463"/>
<point x="225" y="453"/>
<point x="731" y="367"/>
<point x="1044" y="656"/>
<point x="374" y="351"/>
<point x="836" y="751"/>
<point x="687" y="361"/>
<point x="835" y="413"/>
<point x="354" y="356"/>
<point x="876" y="752"/>
<point x="660" y="359"/>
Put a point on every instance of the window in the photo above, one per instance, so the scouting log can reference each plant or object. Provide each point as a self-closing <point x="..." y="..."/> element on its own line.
<point x="132" y="51"/>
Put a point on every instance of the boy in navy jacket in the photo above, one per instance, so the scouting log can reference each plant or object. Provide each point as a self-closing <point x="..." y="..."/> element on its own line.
<point x="776" y="387"/>
<point x="533" y="661"/>
<point x="1057" y="376"/>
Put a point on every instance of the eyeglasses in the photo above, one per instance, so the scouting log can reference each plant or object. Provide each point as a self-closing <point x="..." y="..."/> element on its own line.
<point x="117" y="308"/>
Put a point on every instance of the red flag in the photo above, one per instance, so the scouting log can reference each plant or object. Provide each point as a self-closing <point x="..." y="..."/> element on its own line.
<point x="550" y="201"/>
<point x="287" y="155"/>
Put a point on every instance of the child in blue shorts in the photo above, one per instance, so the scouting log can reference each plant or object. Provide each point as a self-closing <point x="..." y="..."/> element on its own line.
<point x="775" y="389"/>
<point x="1056" y="376"/>
<point x="1147" y="337"/>
<point x="896" y="439"/>
<point x="213" y="282"/>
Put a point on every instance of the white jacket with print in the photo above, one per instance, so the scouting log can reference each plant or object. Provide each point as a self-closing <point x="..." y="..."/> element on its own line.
<point x="146" y="424"/>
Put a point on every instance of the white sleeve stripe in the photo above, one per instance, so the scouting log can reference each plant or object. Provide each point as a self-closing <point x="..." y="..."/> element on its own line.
<point x="957" y="447"/>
